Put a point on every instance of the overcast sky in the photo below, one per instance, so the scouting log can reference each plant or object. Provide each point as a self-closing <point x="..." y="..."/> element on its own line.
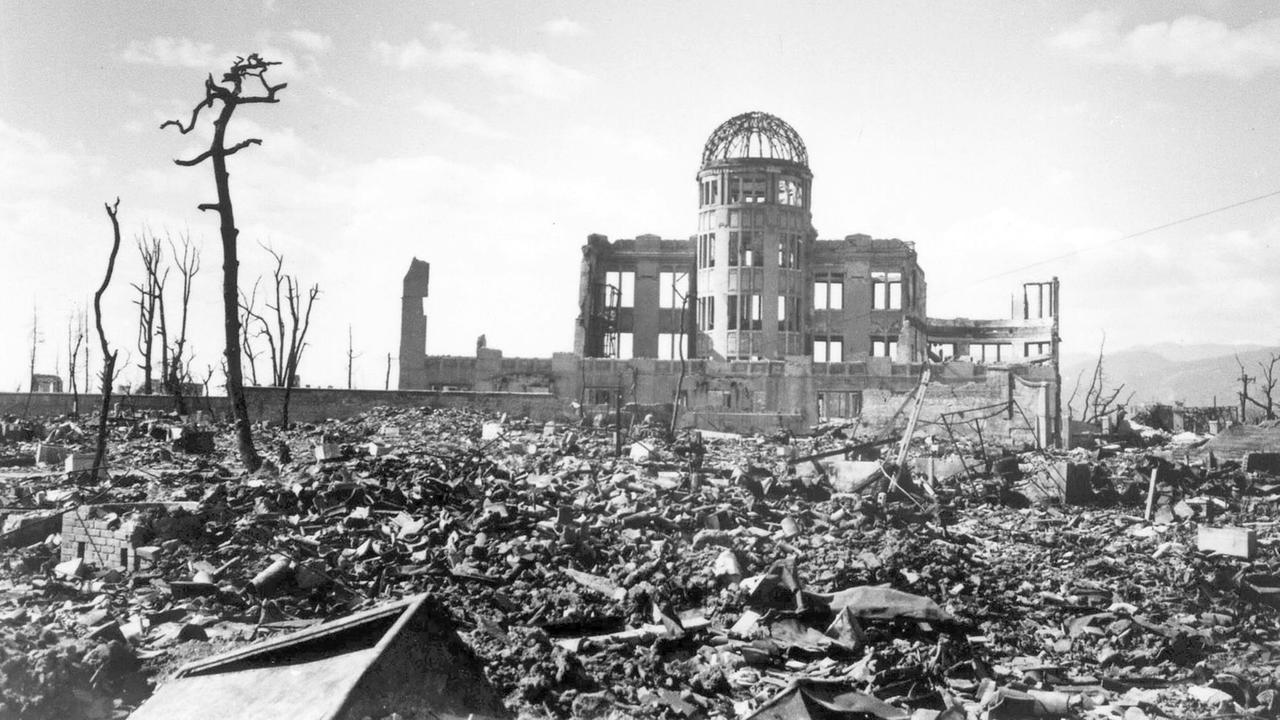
<point x="490" y="138"/>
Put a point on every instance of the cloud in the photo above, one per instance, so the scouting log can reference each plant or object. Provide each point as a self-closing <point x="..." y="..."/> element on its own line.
<point x="1189" y="45"/>
<point x="451" y="116"/>
<point x="184" y="52"/>
<point x="1138" y="290"/>
<point x="338" y="96"/>
<point x="451" y="48"/>
<point x="171" y="52"/>
<point x="563" y="27"/>
<point x="607" y="142"/>
<point x="308" y="40"/>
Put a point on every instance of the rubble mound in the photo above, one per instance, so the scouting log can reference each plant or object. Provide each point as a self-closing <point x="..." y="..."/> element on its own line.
<point x="688" y="577"/>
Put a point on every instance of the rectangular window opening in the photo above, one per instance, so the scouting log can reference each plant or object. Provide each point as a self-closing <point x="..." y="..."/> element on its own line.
<point x="828" y="348"/>
<point x="886" y="291"/>
<point x="673" y="288"/>
<point x="620" y="288"/>
<point x="828" y="293"/>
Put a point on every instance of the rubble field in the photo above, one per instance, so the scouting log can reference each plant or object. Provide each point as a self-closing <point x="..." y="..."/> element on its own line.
<point x="696" y="576"/>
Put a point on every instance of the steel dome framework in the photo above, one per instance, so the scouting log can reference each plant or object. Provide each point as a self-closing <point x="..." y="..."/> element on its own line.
<point x="755" y="135"/>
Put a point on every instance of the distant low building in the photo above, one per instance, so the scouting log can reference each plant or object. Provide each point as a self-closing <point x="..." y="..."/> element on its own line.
<point x="46" y="384"/>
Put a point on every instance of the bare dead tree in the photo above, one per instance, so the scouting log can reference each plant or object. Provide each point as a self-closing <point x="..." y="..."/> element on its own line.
<point x="88" y="349"/>
<point x="175" y="360"/>
<point x="1266" y="384"/>
<point x="108" y="355"/>
<point x="1099" y="401"/>
<point x="31" y="372"/>
<point x="680" y="342"/>
<point x="207" y="378"/>
<point x="248" y="313"/>
<point x="351" y="356"/>
<point x="73" y="352"/>
<point x="150" y="292"/>
<point x="286" y="335"/>
<point x="230" y="93"/>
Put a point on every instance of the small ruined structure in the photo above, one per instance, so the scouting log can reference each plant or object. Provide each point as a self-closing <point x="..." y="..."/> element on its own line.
<point x="117" y="535"/>
<point x="401" y="658"/>
<point x="46" y="383"/>
<point x="413" y="323"/>
<point x="755" y="323"/>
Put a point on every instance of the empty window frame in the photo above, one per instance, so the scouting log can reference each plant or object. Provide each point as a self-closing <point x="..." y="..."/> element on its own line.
<point x="990" y="352"/>
<point x="1036" y="349"/>
<point x="787" y="243"/>
<point x="828" y="293"/>
<point x="733" y="248"/>
<point x="1037" y="300"/>
<point x="828" y="348"/>
<point x="620" y="288"/>
<point x="754" y="189"/>
<point x="843" y="405"/>
<point x="669" y="346"/>
<point x="750" y="247"/>
<point x="731" y="307"/>
<point x="707" y="250"/>
<point x="788" y="313"/>
<point x="599" y="395"/>
<point x="942" y="351"/>
<point x="886" y="291"/>
<point x="884" y="346"/>
<point x="749" y="313"/>
<point x="618" y="345"/>
<point x="673" y="288"/>
<point x="789" y="193"/>
<point x="710" y="192"/>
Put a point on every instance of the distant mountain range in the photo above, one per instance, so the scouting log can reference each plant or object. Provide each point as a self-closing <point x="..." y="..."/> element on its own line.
<point x="1168" y="372"/>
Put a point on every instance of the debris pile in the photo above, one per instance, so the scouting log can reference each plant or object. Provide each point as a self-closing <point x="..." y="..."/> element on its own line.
<point x="702" y="576"/>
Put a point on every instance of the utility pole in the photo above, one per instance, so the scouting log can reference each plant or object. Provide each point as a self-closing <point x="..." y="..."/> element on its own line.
<point x="350" y="356"/>
<point x="1244" y="392"/>
<point x="386" y="383"/>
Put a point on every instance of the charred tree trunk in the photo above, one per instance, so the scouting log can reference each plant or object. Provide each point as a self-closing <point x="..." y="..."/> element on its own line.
<point x="230" y="289"/>
<point x="230" y="94"/>
<point x="108" y="356"/>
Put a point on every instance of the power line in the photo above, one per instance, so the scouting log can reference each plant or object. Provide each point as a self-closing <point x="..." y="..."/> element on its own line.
<point x="1130" y="236"/>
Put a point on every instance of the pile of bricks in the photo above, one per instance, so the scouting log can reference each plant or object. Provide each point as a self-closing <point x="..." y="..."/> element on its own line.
<point x="107" y="536"/>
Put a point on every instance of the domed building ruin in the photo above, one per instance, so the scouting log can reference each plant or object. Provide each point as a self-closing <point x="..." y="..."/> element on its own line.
<point x="753" y="322"/>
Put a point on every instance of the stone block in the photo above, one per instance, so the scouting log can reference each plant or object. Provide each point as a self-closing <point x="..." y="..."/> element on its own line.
<point x="938" y="467"/>
<point x="327" y="451"/>
<point x="1079" y="484"/>
<point x="78" y="462"/>
<point x="20" y="530"/>
<point x="845" y="475"/>
<point x="1263" y="462"/>
<point x="1236" y="541"/>
<point x="640" y="452"/>
<point x="47" y="454"/>
<point x="196" y="442"/>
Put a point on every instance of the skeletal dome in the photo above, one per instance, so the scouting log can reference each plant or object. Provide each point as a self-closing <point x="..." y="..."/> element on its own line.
<point x="755" y="135"/>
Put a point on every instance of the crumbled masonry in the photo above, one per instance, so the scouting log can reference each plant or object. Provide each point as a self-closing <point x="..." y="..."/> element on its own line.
<point x="700" y="576"/>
